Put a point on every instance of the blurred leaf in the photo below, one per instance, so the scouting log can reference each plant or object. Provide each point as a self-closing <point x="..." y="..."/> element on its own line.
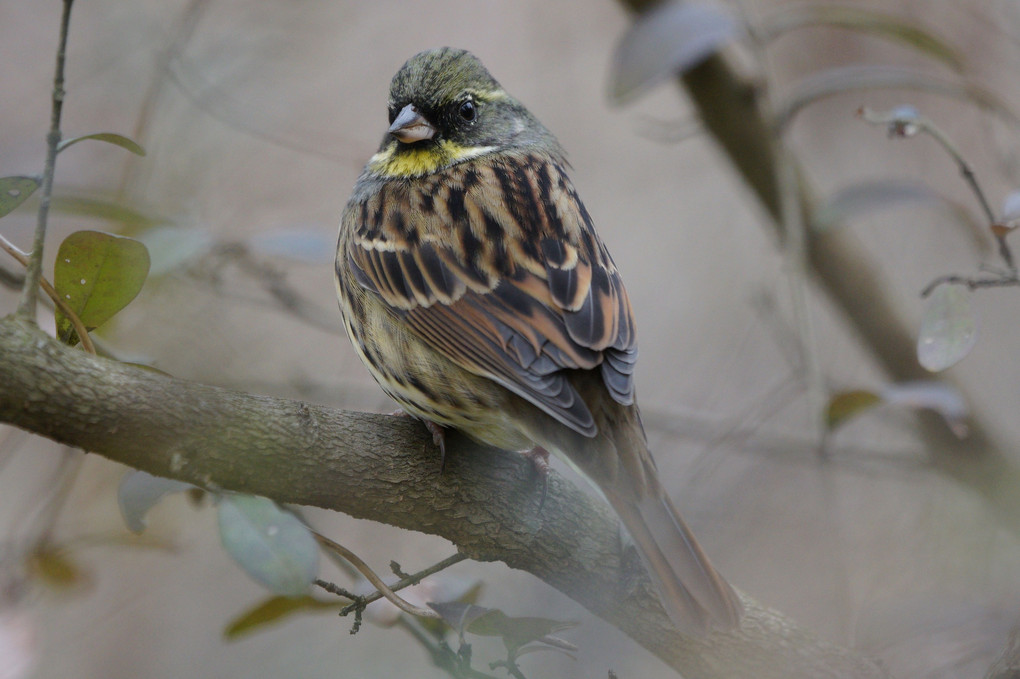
<point x="492" y="622"/>
<point x="272" y="610"/>
<point x="100" y="208"/>
<point x="270" y="544"/>
<point x="1011" y="209"/>
<point x="867" y="197"/>
<point x="54" y="568"/>
<point x="515" y="632"/>
<point x="313" y="245"/>
<point x="108" y="137"/>
<point x="880" y="24"/>
<point x="14" y="191"/>
<point x="97" y="274"/>
<point x="948" y="328"/>
<point x="458" y="614"/>
<point x="139" y="492"/>
<point x="173" y="246"/>
<point x="670" y="38"/>
<point x="844" y="79"/>
<point x="943" y="398"/>
<point x="846" y="405"/>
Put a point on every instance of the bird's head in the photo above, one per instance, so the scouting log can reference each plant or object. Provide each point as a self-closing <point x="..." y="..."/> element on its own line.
<point x="445" y="108"/>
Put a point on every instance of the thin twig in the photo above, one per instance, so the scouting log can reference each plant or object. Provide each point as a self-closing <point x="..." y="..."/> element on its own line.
<point x="51" y="292"/>
<point x="972" y="283"/>
<point x="906" y="122"/>
<point x="409" y="580"/>
<point x="33" y="273"/>
<point x="371" y="576"/>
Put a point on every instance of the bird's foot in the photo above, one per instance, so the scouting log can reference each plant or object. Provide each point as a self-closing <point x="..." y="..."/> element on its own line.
<point x="438" y="435"/>
<point x="539" y="458"/>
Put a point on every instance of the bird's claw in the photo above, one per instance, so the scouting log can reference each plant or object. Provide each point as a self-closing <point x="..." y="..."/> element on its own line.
<point x="438" y="435"/>
<point x="539" y="458"/>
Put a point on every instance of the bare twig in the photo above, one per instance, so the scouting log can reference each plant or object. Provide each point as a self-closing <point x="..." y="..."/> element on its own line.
<point x="409" y="580"/>
<point x="972" y="283"/>
<point x="29" y="293"/>
<point x="905" y="121"/>
<point x="371" y="576"/>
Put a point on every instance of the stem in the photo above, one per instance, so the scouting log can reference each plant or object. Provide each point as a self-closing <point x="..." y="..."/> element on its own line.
<point x="79" y="327"/>
<point x="371" y="576"/>
<point x="30" y="292"/>
<point x="411" y="580"/>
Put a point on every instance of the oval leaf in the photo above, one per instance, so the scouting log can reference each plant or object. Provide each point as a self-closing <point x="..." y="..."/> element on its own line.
<point x="948" y="328"/>
<point x="108" y="137"/>
<point x="139" y="492"/>
<point x="848" y="404"/>
<point x="97" y="274"/>
<point x="272" y="610"/>
<point x="943" y="398"/>
<point x="515" y="632"/>
<point x="862" y="199"/>
<point x="14" y="191"/>
<point x="270" y="544"/>
<point x="670" y="38"/>
<point x="54" y="567"/>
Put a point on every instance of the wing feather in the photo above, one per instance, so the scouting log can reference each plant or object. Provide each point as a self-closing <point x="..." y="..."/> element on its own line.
<point x="509" y="280"/>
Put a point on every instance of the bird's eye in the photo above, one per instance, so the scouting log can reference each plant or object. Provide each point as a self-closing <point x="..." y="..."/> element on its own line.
<point x="468" y="111"/>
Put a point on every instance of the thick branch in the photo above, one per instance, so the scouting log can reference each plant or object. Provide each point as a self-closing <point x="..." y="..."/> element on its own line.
<point x="385" y="469"/>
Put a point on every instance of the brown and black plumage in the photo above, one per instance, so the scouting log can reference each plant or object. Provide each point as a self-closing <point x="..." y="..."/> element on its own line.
<point x="476" y="290"/>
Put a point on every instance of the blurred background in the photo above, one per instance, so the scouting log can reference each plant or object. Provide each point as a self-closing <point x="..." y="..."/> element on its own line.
<point x="257" y="116"/>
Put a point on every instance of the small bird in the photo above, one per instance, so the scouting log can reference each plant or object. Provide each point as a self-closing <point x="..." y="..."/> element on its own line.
<point x="476" y="291"/>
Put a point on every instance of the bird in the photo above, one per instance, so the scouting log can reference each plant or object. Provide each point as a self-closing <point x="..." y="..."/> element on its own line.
<point x="474" y="287"/>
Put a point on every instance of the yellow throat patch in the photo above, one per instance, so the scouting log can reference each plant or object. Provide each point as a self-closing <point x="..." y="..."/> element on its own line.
<point x="408" y="163"/>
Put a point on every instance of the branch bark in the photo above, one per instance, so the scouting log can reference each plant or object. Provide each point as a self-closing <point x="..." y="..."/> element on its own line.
<point x="384" y="469"/>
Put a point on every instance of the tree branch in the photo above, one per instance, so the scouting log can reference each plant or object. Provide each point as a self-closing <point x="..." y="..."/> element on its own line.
<point x="384" y="469"/>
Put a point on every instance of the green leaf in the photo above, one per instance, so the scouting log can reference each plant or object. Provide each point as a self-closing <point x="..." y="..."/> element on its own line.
<point x="110" y="138"/>
<point x="845" y="405"/>
<point x="139" y="492"/>
<point x="54" y="567"/>
<point x="492" y="622"/>
<point x="272" y="610"/>
<point x="515" y="632"/>
<point x="458" y="614"/>
<point x="97" y="274"/>
<point x="948" y="328"/>
<point x="270" y="544"/>
<point x="14" y="191"/>
<point x="883" y="25"/>
<point x="671" y="38"/>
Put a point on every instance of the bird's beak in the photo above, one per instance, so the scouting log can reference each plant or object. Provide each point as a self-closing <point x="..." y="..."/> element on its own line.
<point x="410" y="126"/>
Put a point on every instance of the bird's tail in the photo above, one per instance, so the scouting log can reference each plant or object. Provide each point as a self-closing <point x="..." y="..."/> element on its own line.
<point x="694" y="594"/>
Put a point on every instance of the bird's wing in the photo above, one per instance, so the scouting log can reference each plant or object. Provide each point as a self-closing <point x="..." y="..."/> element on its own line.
<point x="496" y="266"/>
